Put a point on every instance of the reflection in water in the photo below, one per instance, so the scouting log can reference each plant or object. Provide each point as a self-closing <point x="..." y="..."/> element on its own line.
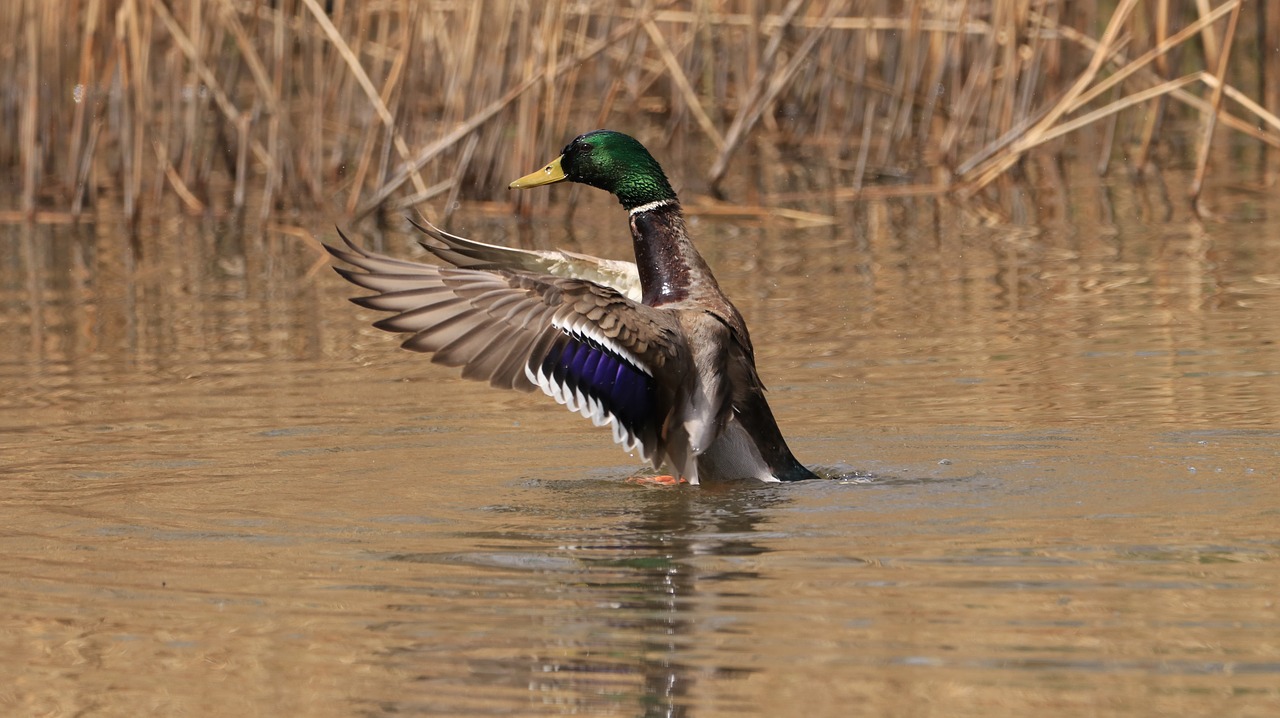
<point x="908" y="308"/>
<point x="637" y="636"/>
<point x="1059" y="443"/>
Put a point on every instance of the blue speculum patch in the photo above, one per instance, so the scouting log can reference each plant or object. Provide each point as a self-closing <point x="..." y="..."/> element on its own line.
<point x="581" y="364"/>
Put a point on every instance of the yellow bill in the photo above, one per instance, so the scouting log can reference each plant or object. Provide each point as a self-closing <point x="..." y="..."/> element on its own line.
<point x="553" y="172"/>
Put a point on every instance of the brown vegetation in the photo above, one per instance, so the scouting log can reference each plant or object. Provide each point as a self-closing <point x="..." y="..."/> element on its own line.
<point x="299" y="104"/>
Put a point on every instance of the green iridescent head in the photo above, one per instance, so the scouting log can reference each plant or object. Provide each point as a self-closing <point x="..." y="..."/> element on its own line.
<point x="611" y="161"/>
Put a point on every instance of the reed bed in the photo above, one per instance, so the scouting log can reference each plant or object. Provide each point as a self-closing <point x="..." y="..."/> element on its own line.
<point x="366" y="107"/>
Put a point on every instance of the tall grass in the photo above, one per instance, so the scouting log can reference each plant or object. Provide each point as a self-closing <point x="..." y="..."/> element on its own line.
<point x="217" y="105"/>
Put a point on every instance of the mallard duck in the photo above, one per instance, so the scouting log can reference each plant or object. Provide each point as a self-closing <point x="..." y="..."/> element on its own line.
<point x="653" y="349"/>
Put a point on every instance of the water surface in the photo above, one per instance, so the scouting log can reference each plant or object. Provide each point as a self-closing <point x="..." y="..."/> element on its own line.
<point x="1053" y="456"/>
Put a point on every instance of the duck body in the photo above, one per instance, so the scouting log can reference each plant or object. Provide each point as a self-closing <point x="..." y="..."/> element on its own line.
<point x="673" y="372"/>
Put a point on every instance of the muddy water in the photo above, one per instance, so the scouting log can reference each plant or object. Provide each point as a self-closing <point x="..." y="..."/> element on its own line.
<point x="1053" y="457"/>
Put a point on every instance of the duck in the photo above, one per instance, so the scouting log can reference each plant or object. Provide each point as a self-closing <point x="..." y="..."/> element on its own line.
<point x="653" y="349"/>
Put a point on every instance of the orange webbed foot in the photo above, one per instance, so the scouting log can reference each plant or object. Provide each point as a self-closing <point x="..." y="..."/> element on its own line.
<point x="665" y="480"/>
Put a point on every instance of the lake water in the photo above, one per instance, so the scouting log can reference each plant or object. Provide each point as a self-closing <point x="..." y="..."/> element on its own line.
<point x="1053" y="461"/>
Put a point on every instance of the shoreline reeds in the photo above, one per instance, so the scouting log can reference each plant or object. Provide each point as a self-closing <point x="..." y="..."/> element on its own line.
<point x="356" y="108"/>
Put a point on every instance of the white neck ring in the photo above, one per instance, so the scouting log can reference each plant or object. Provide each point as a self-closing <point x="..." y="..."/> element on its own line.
<point x="650" y="206"/>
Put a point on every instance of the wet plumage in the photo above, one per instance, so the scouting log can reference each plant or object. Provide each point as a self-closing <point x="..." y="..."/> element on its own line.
<point x="654" y="350"/>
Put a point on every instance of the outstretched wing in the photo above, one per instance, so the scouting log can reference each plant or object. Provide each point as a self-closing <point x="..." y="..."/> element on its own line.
<point x="611" y="359"/>
<point x="470" y="254"/>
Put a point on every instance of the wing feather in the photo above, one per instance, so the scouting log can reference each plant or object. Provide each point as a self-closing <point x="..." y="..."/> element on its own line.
<point x="470" y="254"/>
<point x="584" y="344"/>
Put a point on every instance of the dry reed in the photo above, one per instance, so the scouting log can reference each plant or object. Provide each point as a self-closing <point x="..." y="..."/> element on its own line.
<point x="356" y="107"/>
